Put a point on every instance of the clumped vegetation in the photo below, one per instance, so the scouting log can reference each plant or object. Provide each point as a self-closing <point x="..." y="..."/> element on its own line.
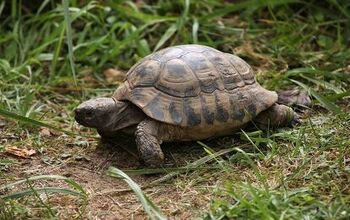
<point x="54" y="55"/>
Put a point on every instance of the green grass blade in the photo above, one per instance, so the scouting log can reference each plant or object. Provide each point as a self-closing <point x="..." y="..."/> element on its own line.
<point x="244" y="5"/>
<point x="208" y="158"/>
<point x="69" y="39"/>
<point x="42" y="6"/>
<point x="44" y="177"/>
<point x="143" y="47"/>
<point x="31" y="191"/>
<point x="341" y="8"/>
<point x="150" y="208"/>
<point x="195" y="27"/>
<point x="14" y="9"/>
<point x="183" y="18"/>
<point x="326" y="102"/>
<point x="338" y="96"/>
<point x="252" y="142"/>
<point x="72" y="183"/>
<point x="166" y="170"/>
<point x="323" y="84"/>
<point x="26" y="120"/>
<point x="2" y="6"/>
<point x="252" y="164"/>
<point x="304" y="70"/>
<point x="130" y="12"/>
<point x="198" y="163"/>
<point x="36" y="123"/>
<point x="170" y="32"/>
<point x="4" y="162"/>
<point x="323" y="100"/>
<point x="21" y="194"/>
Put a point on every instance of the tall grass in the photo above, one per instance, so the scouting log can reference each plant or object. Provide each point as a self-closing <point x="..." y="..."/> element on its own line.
<point x="67" y="20"/>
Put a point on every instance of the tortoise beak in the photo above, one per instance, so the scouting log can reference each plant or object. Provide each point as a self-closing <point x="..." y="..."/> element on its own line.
<point x="78" y="115"/>
<point x="95" y="113"/>
<point x="82" y="115"/>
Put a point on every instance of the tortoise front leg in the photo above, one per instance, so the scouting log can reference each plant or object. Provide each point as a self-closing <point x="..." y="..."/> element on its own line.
<point x="148" y="143"/>
<point x="276" y="116"/>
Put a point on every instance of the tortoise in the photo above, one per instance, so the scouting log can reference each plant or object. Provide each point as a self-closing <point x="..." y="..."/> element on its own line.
<point x="184" y="93"/>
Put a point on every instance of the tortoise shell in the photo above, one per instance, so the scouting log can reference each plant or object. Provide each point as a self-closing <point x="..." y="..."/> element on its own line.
<point x="195" y="85"/>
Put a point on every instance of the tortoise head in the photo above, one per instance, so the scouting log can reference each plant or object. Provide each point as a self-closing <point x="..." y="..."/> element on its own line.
<point x="108" y="115"/>
<point x="98" y="112"/>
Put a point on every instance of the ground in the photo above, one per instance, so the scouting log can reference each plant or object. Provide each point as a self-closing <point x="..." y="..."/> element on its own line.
<point x="185" y="196"/>
<point x="87" y="164"/>
<point x="56" y="54"/>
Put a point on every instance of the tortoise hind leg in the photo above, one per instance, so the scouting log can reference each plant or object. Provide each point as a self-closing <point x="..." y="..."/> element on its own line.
<point x="276" y="116"/>
<point x="148" y="144"/>
<point x="294" y="98"/>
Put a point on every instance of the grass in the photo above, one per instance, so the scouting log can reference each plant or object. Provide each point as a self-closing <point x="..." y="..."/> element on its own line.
<point x="10" y="209"/>
<point x="152" y="210"/>
<point x="306" y="179"/>
<point x="53" y="57"/>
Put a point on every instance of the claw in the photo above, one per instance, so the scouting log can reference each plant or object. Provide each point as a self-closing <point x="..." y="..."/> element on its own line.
<point x="296" y="120"/>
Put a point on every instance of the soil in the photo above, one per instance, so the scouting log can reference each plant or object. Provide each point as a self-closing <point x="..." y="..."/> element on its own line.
<point x="86" y="162"/>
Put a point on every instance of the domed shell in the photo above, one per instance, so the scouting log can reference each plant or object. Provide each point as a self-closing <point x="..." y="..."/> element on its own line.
<point x="194" y="85"/>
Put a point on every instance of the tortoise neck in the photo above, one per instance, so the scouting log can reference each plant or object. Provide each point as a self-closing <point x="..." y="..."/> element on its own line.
<point x="126" y="115"/>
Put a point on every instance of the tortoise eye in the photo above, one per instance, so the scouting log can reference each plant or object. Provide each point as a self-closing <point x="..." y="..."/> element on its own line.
<point x="89" y="113"/>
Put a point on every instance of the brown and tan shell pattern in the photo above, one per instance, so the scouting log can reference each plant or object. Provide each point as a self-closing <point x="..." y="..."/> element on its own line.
<point x="194" y="85"/>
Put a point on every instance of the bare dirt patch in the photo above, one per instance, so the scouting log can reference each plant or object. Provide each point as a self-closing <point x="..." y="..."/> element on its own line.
<point x="86" y="162"/>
